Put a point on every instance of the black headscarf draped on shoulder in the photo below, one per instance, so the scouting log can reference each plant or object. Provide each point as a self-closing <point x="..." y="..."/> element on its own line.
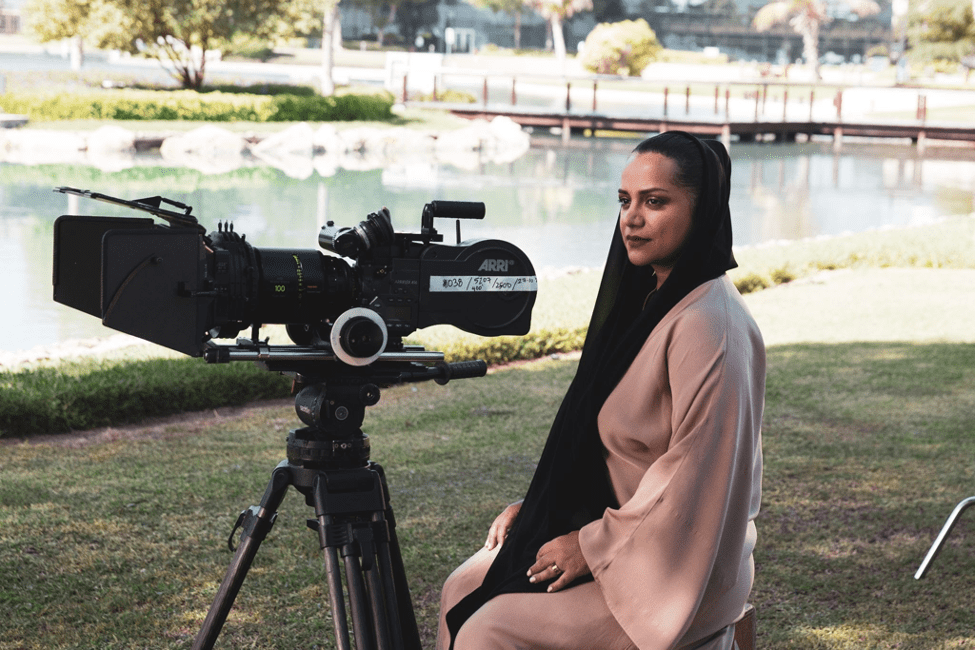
<point x="570" y="487"/>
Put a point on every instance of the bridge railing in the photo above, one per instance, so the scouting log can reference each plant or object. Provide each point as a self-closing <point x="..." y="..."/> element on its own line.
<point x="765" y="100"/>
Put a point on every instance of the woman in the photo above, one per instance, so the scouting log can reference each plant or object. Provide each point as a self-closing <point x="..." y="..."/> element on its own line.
<point x="637" y="528"/>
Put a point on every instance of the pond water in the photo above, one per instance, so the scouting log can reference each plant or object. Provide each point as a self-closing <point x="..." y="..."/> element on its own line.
<point x="557" y="202"/>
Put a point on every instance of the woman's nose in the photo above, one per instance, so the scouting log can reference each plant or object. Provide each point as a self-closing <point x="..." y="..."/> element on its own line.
<point x="631" y="217"/>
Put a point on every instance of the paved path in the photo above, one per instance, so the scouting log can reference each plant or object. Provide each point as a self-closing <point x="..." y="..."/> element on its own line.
<point x="921" y="305"/>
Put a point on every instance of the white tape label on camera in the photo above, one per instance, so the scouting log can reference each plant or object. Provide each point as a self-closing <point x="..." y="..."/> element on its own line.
<point x="477" y="283"/>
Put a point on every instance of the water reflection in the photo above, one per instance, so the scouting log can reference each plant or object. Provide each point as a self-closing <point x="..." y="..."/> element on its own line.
<point x="557" y="202"/>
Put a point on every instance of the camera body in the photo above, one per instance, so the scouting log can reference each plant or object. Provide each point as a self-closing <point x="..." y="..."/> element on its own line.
<point x="180" y="287"/>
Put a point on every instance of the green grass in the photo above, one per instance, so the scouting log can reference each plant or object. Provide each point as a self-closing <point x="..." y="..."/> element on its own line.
<point x="867" y="449"/>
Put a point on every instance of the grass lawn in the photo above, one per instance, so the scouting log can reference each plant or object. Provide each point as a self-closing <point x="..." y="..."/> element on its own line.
<point x="121" y="543"/>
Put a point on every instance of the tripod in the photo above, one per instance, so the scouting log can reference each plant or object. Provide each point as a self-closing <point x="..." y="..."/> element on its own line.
<point x="328" y="462"/>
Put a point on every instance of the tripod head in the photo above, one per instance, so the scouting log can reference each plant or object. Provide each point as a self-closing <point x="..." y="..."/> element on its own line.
<point x="331" y="398"/>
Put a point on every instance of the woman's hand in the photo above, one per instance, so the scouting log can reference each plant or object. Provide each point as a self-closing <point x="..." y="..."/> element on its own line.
<point x="502" y="524"/>
<point x="561" y="559"/>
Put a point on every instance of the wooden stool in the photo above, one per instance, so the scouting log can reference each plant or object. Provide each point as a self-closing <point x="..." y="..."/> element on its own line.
<point x="746" y="629"/>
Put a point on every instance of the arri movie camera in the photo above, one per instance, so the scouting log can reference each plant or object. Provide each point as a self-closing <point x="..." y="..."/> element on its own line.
<point x="347" y="312"/>
<point x="180" y="287"/>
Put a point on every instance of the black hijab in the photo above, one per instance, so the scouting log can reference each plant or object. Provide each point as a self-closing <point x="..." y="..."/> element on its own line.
<point x="570" y="487"/>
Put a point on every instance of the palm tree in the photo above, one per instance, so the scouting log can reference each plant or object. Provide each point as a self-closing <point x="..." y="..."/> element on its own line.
<point x="556" y="11"/>
<point x="806" y="17"/>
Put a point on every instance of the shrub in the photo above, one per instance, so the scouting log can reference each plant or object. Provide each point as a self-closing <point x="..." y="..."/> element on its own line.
<point x="449" y="96"/>
<point x="624" y="48"/>
<point x="782" y="275"/>
<point x="189" y="105"/>
<point x="750" y="283"/>
<point x="261" y="89"/>
<point x="94" y="394"/>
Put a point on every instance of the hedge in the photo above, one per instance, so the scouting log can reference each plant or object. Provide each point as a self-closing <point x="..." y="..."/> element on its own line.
<point x="87" y="395"/>
<point x="189" y="105"/>
<point x="91" y="394"/>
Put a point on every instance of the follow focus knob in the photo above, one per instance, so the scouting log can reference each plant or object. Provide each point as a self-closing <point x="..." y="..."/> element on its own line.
<point x="358" y="336"/>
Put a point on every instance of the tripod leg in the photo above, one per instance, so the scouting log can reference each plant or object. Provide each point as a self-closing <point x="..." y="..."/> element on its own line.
<point x="384" y="584"/>
<point x="402" y="609"/>
<point x="371" y="538"/>
<point x="337" y="602"/>
<point x="357" y="599"/>
<point x="336" y="538"/>
<point x="257" y="524"/>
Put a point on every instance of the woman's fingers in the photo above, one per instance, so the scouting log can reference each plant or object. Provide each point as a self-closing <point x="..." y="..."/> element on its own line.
<point x="499" y="529"/>
<point x="559" y="560"/>
<point x="497" y="535"/>
<point x="546" y="569"/>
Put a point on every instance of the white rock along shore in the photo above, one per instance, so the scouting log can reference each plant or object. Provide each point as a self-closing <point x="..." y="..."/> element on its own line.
<point x="299" y="150"/>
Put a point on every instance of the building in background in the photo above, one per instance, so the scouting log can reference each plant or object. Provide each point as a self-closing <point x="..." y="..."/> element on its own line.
<point x="453" y="26"/>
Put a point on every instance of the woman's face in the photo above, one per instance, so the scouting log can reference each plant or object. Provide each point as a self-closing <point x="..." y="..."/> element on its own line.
<point x="656" y="213"/>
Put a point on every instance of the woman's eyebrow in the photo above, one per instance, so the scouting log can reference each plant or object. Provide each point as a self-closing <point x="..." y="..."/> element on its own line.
<point x="649" y="190"/>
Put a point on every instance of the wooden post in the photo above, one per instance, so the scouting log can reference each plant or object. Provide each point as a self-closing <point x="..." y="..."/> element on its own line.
<point x="568" y="97"/>
<point x="756" y="107"/>
<point x="785" y="105"/>
<point x="688" y="91"/>
<point x="485" y="92"/>
<point x="716" y="110"/>
<point x="838" y="104"/>
<point x="404" y="94"/>
<point x="434" y="93"/>
<point x="595" y="96"/>
<point x="727" y="104"/>
<point x="811" y="116"/>
<point x="513" y="91"/>
<point x="565" y="135"/>
<point x="921" y="108"/>
<point x="665" y="105"/>
<point x="764" y="107"/>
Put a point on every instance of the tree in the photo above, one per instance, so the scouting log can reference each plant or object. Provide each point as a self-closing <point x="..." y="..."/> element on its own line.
<point x="332" y="40"/>
<point x="806" y="18"/>
<point x="512" y="8"/>
<point x="555" y="12"/>
<point x="58" y="20"/>
<point x="941" y="30"/>
<point x="178" y="33"/>
<point x="416" y="17"/>
<point x="722" y="8"/>
<point x="623" y="48"/>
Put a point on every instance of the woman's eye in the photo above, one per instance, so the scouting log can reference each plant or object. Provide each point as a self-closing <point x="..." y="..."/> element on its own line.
<point x="623" y="200"/>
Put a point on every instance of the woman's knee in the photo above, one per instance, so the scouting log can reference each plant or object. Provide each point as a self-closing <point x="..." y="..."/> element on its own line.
<point x="481" y="632"/>
<point x="465" y="579"/>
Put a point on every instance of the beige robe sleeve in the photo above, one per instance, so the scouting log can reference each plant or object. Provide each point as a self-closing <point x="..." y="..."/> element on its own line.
<point x="682" y="432"/>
